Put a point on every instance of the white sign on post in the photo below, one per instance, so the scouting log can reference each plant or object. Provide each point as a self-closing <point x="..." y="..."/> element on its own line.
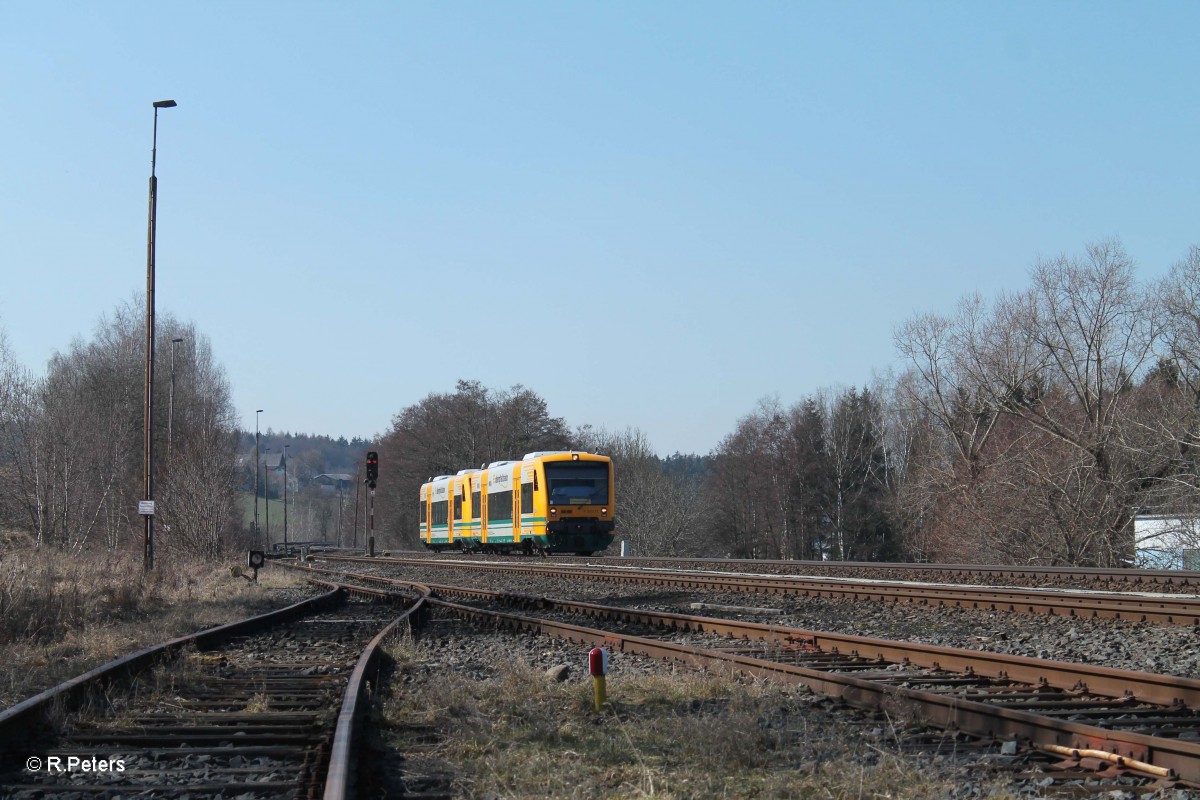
<point x="146" y="508"/>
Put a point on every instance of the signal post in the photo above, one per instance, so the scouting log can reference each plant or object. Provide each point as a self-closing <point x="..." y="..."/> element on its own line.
<point x="372" y="477"/>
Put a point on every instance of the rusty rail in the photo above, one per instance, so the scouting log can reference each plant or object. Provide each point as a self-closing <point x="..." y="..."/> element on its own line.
<point x="17" y="724"/>
<point x="1180" y="758"/>
<point x="1167" y="609"/>
<point x="1146" y="686"/>
<point x="17" y="721"/>
<point x="1011" y="573"/>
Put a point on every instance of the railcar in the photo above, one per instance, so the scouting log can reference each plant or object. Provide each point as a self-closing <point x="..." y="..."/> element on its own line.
<point x="548" y="502"/>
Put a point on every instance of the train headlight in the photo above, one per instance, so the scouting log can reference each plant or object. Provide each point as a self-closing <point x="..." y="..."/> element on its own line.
<point x="604" y="511"/>
<point x="554" y="512"/>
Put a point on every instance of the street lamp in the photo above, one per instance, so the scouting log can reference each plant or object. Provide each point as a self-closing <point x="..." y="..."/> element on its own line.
<point x="147" y="509"/>
<point x="256" y="413"/>
<point x="285" y="513"/>
<point x="341" y="503"/>
<point x="171" y="402"/>
<point x="267" y="495"/>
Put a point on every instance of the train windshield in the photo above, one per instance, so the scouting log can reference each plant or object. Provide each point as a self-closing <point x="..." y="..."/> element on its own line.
<point x="577" y="482"/>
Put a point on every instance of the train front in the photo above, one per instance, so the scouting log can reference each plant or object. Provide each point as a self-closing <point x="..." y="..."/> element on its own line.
<point x="579" y="495"/>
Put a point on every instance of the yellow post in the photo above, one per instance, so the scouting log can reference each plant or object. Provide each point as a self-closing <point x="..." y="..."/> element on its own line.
<point x="598" y="666"/>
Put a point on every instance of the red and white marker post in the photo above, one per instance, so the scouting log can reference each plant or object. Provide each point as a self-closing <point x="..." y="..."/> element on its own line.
<point x="598" y="666"/>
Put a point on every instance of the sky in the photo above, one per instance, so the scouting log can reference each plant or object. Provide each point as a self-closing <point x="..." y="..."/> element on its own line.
<point x="653" y="214"/>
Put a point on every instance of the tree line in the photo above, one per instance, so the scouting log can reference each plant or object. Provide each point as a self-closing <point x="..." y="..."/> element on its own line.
<point x="1036" y="426"/>
<point x="1027" y="428"/>
<point x="1030" y="428"/>
<point x="71" y="441"/>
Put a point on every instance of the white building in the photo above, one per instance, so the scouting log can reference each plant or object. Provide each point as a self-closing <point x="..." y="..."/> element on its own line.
<point x="1166" y="541"/>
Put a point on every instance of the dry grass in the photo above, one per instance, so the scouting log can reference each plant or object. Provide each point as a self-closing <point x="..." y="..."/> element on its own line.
<point x="687" y="735"/>
<point x="62" y="614"/>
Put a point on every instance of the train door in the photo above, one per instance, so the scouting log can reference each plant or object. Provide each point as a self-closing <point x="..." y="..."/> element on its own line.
<point x="424" y="516"/>
<point x="474" y="492"/>
<point x="483" y="505"/>
<point x="465" y="505"/>
<point x="516" y="501"/>
<point x="456" y="489"/>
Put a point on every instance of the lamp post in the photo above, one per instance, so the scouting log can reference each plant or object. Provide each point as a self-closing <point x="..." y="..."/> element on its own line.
<point x="147" y="510"/>
<point x="171" y="402"/>
<point x="267" y="495"/>
<point x="285" y="513"/>
<point x="341" y="503"/>
<point x="256" y="413"/>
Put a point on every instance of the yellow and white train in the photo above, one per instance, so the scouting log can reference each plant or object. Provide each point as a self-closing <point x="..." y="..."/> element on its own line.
<point x="550" y="502"/>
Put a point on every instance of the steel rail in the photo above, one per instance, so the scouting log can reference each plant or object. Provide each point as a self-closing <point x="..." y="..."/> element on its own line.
<point x="339" y="777"/>
<point x="1134" y="750"/>
<point x="1180" y="758"/>
<point x="1168" y="577"/>
<point x="17" y="722"/>
<point x="1168" y="609"/>
<point x="1105" y="681"/>
<point x="1164" y="577"/>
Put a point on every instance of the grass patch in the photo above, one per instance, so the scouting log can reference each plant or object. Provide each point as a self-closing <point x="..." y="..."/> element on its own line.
<point x="62" y="614"/>
<point x="245" y="503"/>
<point x="687" y="735"/>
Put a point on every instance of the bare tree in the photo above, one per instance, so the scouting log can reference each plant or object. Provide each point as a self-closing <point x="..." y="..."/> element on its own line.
<point x="22" y="497"/>
<point x="1174" y="386"/>
<point x="199" y="477"/>
<point x="72" y="443"/>
<point x="656" y="512"/>
<point x="742" y="489"/>
<point x="444" y="433"/>
<point x="1057" y="368"/>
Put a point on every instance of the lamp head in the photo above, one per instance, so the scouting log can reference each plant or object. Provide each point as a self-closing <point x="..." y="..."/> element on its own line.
<point x="165" y="104"/>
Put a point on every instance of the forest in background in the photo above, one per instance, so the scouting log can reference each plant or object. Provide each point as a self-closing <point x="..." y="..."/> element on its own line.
<point x="1027" y="428"/>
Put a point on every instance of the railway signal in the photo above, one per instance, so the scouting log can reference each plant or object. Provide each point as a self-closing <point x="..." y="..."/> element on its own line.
<point x="372" y="468"/>
<point x="372" y="476"/>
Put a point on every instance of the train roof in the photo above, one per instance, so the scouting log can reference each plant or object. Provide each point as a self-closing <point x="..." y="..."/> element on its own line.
<point x="540" y="453"/>
<point x="575" y="453"/>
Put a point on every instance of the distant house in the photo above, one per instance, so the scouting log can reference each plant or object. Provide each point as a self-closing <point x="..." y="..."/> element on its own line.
<point x="274" y="469"/>
<point x="333" y="481"/>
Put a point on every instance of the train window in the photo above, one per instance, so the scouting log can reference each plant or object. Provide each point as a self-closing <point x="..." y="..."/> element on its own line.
<point x="475" y="505"/>
<point x="527" y="498"/>
<point x="439" y="512"/>
<point x="423" y="512"/>
<point x="457" y="506"/>
<point x="500" y="506"/>
<point x="577" y="482"/>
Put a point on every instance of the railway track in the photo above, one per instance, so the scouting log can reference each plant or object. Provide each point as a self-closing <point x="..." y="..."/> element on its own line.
<point x="264" y="708"/>
<point x="1070" y="719"/>
<point x="1091" y="578"/>
<point x="1138" y="607"/>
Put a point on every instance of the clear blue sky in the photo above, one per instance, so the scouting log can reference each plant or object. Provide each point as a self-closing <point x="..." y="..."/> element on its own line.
<point x="651" y="213"/>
